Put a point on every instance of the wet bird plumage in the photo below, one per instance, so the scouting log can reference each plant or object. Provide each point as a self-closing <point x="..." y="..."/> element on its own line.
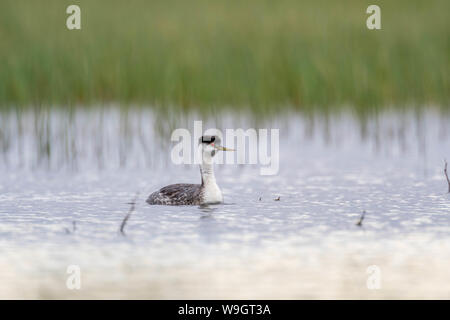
<point x="175" y="194"/>
<point x="194" y="194"/>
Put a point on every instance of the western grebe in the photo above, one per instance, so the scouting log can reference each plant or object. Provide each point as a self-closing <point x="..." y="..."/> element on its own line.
<point x="194" y="194"/>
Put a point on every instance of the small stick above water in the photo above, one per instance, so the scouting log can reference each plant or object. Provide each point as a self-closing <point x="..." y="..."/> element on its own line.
<point x="359" y="223"/>
<point x="446" y="175"/>
<point x="125" y="219"/>
<point x="74" y="228"/>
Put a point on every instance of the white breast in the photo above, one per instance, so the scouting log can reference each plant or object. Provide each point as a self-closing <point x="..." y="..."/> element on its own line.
<point x="212" y="193"/>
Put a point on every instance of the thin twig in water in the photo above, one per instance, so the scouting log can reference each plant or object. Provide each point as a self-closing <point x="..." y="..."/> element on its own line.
<point x="446" y="175"/>
<point x="359" y="223"/>
<point x="124" y="221"/>
<point x="74" y="228"/>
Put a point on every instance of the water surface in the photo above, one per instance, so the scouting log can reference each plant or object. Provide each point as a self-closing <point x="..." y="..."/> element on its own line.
<point x="66" y="182"/>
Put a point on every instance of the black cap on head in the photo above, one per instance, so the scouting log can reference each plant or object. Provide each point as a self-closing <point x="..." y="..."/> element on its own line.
<point x="209" y="139"/>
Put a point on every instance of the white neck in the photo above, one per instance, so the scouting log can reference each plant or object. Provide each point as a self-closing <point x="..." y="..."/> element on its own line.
<point x="211" y="193"/>
<point x="207" y="172"/>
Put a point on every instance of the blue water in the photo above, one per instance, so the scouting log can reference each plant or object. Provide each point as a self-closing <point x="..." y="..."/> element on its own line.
<point x="331" y="170"/>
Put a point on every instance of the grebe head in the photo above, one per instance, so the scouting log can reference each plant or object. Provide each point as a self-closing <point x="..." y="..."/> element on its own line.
<point x="209" y="145"/>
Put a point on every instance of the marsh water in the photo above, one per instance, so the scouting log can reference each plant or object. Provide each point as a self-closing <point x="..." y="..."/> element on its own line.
<point x="67" y="180"/>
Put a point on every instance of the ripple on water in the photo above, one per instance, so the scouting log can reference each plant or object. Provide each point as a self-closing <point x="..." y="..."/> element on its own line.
<point x="307" y="242"/>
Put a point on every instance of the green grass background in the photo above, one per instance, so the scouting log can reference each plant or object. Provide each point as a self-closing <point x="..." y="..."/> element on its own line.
<point x="262" y="55"/>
